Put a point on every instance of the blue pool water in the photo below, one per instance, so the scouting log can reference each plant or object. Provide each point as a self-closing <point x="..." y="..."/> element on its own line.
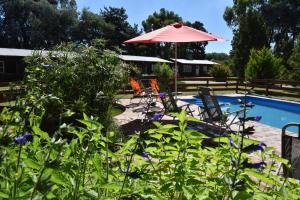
<point x="274" y="113"/>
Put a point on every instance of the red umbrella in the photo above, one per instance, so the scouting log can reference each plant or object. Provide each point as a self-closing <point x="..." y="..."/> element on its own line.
<point x="175" y="33"/>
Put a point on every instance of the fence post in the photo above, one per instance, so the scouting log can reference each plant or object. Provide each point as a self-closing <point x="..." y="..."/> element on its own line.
<point x="267" y="90"/>
<point x="207" y="83"/>
<point x="237" y="86"/>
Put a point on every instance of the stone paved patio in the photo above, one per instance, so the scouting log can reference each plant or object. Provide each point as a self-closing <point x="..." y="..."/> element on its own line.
<point x="269" y="135"/>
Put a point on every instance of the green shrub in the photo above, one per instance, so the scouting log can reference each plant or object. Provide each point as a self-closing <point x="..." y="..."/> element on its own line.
<point x="220" y="71"/>
<point x="77" y="78"/>
<point x="294" y="62"/>
<point x="263" y="65"/>
<point x="168" y="162"/>
<point x="164" y="73"/>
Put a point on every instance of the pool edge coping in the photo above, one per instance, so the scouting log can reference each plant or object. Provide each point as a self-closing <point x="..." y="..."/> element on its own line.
<point x="240" y="95"/>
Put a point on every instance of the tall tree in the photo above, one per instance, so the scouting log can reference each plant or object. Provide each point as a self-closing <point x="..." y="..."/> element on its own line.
<point x="120" y="29"/>
<point x="249" y="30"/>
<point x="282" y="17"/>
<point x="90" y="26"/>
<point x="36" y="23"/>
<point x="258" y="23"/>
<point x="294" y="61"/>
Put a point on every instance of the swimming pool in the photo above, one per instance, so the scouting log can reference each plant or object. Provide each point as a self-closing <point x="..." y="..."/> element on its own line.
<point x="274" y="113"/>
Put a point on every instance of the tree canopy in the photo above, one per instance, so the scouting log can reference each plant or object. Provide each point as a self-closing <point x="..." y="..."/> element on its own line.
<point x="43" y="24"/>
<point x="36" y="23"/>
<point x="262" y="23"/>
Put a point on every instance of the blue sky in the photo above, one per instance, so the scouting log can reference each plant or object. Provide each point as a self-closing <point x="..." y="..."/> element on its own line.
<point x="209" y="12"/>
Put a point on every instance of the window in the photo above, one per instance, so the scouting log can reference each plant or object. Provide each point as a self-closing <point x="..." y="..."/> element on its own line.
<point x="204" y="68"/>
<point x="2" y="68"/>
<point x="187" y="68"/>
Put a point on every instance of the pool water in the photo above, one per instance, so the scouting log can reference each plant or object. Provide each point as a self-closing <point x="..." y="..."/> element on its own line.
<point x="274" y="113"/>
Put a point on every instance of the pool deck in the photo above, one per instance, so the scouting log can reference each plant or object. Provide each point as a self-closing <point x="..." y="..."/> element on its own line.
<point x="269" y="135"/>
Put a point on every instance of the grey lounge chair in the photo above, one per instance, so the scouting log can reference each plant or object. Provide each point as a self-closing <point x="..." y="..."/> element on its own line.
<point x="211" y="112"/>
<point x="170" y="105"/>
<point x="290" y="150"/>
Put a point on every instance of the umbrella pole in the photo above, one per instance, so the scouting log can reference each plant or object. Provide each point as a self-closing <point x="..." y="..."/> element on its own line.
<point x="175" y="71"/>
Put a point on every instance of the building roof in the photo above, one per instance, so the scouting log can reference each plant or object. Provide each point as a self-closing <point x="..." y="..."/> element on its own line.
<point x="143" y="59"/>
<point x="19" y="52"/>
<point x="195" y="62"/>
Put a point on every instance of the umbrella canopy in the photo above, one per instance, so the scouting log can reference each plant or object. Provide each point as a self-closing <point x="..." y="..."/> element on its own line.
<point x="176" y="33"/>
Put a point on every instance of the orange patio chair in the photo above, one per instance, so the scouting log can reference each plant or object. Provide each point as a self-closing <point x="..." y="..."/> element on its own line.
<point x="139" y="91"/>
<point x="154" y="86"/>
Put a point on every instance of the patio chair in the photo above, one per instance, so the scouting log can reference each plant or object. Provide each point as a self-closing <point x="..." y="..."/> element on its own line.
<point x="145" y="95"/>
<point x="290" y="150"/>
<point x="154" y="86"/>
<point x="170" y="105"/>
<point x="211" y="112"/>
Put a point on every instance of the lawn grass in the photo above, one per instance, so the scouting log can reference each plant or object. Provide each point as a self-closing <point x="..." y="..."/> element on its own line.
<point x="116" y="111"/>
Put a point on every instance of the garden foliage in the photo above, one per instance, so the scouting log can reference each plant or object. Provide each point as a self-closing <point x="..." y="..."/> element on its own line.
<point x="168" y="162"/>
<point x="80" y="79"/>
<point x="294" y="62"/>
<point x="220" y="71"/>
<point x="263" y="64"/>
<point x="164" y="73"/>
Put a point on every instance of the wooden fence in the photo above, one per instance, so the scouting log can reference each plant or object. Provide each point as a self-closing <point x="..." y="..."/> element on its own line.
<point x="191" y="84"/>
<point x="262" y="86"/>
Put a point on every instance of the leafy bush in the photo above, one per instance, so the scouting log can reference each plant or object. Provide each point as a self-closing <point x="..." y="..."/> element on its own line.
<point x="294" y="62"/>
<point x="164" y="73"/>
<point x="220" y="71"/>
<point x="163" y="70"/>
<point x="263" y="65"/>
<point x="78" y="78"/>
<point x="168" y="162"/>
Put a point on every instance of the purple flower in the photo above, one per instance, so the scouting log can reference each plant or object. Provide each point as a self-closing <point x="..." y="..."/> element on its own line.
<point x="146" y="155"/>
<point x="258" y="118"/>
<point x="259" y="165"/>
<point x="231" y="142"/>
<point x="254" y="147"/>
<point x="24" y="138"/>
<point x="157" y="116"/>
<point x="47" y="67"/>
<point x="28" y="136"/>
<point x="162" y="95"/>
<point x="134" y="175"/>
<point x="21" y="140"/>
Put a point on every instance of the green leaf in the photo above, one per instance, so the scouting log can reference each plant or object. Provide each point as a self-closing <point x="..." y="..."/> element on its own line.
<point x="91" y="193"/>
<point x="91" y="125"/>
<point x="68" y="113"/>
<point x="110" y="186"/>
<point x="182" y="116"/>
<point x="32" y="164"/>
<point x="168" y="126"/>
<point x="259" y="175"/>
<point x="243" y="195"/>
<point x="59" y="179"/>
<point x="283" y="192"/>
<point x="280" y="159"/>
<point x="156" y="136"/>
<point x="41" y="133"/>
<point x="4" y="196"/>
<point x="188" y="192"/>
